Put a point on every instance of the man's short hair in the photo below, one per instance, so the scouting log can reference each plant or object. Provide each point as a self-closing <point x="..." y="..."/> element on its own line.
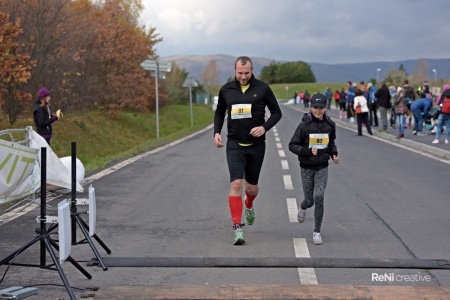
<point x="406" y="81"/>
<point x="244" y="60"/>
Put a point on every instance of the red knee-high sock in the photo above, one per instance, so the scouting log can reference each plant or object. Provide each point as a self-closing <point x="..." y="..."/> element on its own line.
<point x="249" y="200"/>
<point x="235" y="208"/>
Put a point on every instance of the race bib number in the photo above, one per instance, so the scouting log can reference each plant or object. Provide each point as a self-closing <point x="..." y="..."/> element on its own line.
<point x="241" y="111"/>
<point x="319" y="140"/>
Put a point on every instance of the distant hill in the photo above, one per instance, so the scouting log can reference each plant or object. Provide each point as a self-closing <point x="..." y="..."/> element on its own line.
<point x="324" y="72"/>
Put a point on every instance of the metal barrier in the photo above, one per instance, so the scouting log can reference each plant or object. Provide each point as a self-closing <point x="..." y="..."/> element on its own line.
<point x="9" y="133"/>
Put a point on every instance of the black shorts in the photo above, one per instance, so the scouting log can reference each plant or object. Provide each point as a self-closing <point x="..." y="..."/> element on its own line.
<point x="245" y="161"/>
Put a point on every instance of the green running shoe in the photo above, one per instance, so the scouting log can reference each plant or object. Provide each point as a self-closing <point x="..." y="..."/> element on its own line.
<point x="239" y="238"/>
<point x="249" y="215"/>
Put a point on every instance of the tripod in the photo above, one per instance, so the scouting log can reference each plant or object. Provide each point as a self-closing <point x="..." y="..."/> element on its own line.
<point x="77" y="220"/>
<point x="46" y="242"/>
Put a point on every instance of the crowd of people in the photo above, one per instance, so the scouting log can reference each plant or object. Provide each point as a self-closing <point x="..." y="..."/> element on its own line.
<point x="396" y="107"/>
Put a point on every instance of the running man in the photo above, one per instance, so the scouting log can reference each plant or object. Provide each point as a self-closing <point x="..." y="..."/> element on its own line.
<point x="244" y="100"/>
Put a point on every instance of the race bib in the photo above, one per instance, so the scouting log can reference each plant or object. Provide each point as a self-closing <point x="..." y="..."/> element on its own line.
<point x="241" y="111"/>
<point x="319" y="140"/>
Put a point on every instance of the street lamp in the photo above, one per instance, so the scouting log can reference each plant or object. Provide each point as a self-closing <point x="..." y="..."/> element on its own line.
<point x="378" y="72"/>
<point x="434" y="71"/>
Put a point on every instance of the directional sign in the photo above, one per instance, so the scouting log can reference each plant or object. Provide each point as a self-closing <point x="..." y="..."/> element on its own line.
<point x="161" y="75"/>
<point x="190" y="81"/>
<point x="163" y="66"/>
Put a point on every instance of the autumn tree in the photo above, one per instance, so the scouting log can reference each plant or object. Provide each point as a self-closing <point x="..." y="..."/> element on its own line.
<point x="210" y="75"/>
<point x="14" y="68"/>
<point x="121" y="48"/>
<point x="88" y="53"/>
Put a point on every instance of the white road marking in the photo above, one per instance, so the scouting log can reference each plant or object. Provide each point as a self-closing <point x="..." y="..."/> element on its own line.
<point x="284" y="165"/>
<point x="277" y="139"/>
<point x="292" y="209"/>
<point x="15" y="213"/>
<point x="281" y="153"/>
<point x="279" y="146"/>
<point x="307" y="275"/>
<point x="287" y="182"/>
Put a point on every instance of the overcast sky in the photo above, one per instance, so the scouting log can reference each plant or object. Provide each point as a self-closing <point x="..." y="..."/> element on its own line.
<point x="320" y="31"/>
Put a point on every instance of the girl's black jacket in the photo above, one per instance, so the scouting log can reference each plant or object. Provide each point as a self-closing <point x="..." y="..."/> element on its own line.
<point x="43" y="120"/>
<point x="299" y="143"/>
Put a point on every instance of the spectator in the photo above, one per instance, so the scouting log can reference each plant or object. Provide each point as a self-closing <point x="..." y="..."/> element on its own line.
<point x="444" y="116"/>
<point x="410" y="96"/>
<point x="342" y="104"/>
<point x="399" y="110"/>
<point x="42" y="116"/>
<point x="350" y="99"/>
<point x="384" y="98"/>
<point x="363" y="116"/>
<point x="307" y="98"/>
<point x="362" y="87"/>
<point x="372" y="103"/>
<point x="336" y="96"/>
<point x="392" y="91"/>
<point x="329" y="96"/>
<point x="421" y="108"/>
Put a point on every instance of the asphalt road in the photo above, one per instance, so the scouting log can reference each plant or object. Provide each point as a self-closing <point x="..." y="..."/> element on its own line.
<point x="382" y="202"/>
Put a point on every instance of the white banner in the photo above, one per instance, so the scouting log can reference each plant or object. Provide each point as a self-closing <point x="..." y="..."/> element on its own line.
<point x="58" y="176"/>
<point x="19" y="171"/>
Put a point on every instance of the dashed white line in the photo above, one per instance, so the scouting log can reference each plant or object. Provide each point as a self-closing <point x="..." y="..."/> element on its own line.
<point x="292" y="209"/>
<point x="288" y="182"/>
<point x="307" y="275"/>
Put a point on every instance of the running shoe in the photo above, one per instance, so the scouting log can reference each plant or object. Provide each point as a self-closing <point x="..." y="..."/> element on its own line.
<point x="249" y="215"/>
<point x="317" y="239"/>
<point x="239" y="238"/>
<point x="446" y="141"/>
<point x="301" y="215"/>
<point x="435" y="141"/>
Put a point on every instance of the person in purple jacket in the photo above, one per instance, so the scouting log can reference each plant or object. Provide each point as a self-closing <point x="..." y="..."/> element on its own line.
<point x="42" y="116"/>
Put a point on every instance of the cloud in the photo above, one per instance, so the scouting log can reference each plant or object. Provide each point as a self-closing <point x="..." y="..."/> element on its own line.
<point x="326" y="31"/>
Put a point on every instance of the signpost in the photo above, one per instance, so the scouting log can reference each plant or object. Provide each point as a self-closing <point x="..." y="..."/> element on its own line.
<point x="190" y="82"/>
<point x="158" y="70"/>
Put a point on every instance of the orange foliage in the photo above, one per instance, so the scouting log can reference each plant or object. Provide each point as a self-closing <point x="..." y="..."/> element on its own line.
<point x="88" y="53"/>
<point x="14" y="67"/>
